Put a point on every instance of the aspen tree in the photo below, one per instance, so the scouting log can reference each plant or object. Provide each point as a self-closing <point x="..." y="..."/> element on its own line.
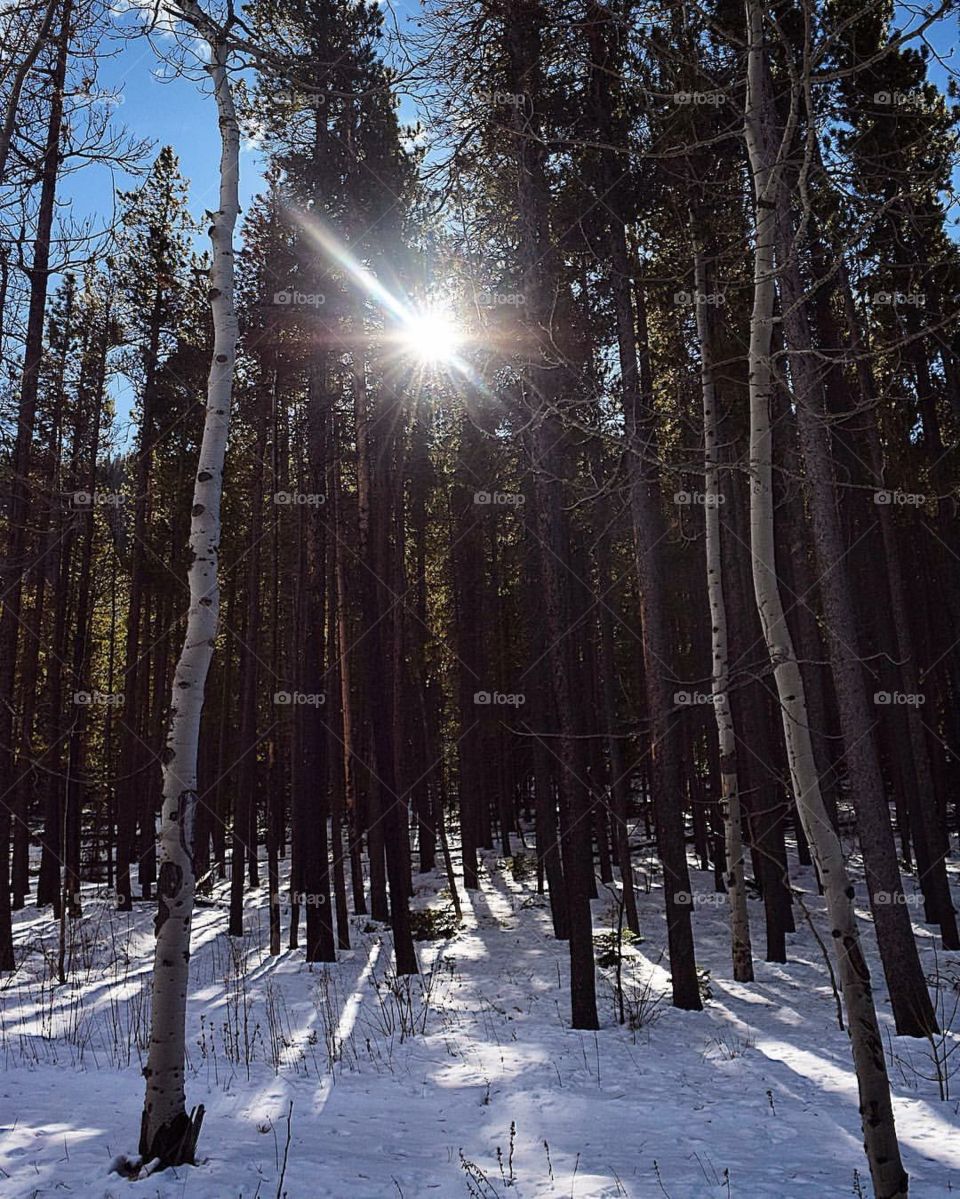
<point x="766" y="160"/>
<point x="168" y="1136"/>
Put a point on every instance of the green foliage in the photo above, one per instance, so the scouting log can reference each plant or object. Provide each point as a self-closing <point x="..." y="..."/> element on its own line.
<point x="523" y="866"/>
<point x="608" y="952"/>
<point x="434" y="924"/>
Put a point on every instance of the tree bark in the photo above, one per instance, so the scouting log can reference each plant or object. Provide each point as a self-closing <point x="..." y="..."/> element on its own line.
<point x="726" y="735"/>
<point x="19" y="500"/>
<point x="167" y="1133"/>
<point x="649" y="532"/>
<point x="912" y="1008"/>
<point x="883" y="1152"/>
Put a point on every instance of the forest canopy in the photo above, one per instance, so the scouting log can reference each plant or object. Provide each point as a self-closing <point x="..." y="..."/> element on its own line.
<point x="547" y="480"/>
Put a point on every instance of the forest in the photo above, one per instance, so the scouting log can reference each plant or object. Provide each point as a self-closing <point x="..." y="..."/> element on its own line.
<point x="480" y="628"/>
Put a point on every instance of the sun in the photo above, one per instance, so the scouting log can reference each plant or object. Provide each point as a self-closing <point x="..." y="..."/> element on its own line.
<point x="431" y="336"/>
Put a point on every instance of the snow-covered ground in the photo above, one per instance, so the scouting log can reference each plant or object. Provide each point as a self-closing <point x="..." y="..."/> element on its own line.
<point x="492" y="1094"/>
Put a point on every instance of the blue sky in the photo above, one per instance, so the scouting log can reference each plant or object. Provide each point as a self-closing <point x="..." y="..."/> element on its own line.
<point x="171" y="111"/>
<point x="167" y="112"/>
<point x="156" y="104"/>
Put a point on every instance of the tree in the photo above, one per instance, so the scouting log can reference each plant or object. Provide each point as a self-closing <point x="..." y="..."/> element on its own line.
<point x="766" y="160"/>
<point x="19" y="497"/>
<point x="168" y="1136"/>
<point x="154" y="259"/>
<point x="720" y="684"/>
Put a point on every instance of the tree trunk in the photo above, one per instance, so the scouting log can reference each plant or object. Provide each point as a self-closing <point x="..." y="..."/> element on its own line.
<point x="726" y="735"/>
<point x="912" y="1008"/>
<point x="542" y="402"/>
<point x="883" y="1152"/>
<point x="15" y="89"/>
<point x="344" y="676"/>
<point x="649" y="533"/>
<point x="247" y="768"/>
<point x="167" y="1134"/>
<point x="18" y="503"/>
<point x="919" y="781"/>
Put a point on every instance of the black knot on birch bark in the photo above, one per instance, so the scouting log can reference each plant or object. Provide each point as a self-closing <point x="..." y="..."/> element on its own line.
<point x="167" y="756"/>
<point x="197" y="510"/>
<point x="204" y="476"/>
<point x="850" y="892"/>
<point x="170" y="879"/>
<point x="222" y="358"/>
<point x="205" y="601"/>
<point x="214" y="293"/>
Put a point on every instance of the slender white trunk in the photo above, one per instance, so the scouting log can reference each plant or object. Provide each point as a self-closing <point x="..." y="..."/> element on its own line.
<point x="729" y="791"/>
<point x="168" y="1135"/>
<point x="880" y="1138"/>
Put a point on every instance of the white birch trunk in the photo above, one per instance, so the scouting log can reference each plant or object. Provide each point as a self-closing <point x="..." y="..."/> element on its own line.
<point x="880" y="1138"/>
<point x="729" y="790"/>
<point x="168" y="1135"/>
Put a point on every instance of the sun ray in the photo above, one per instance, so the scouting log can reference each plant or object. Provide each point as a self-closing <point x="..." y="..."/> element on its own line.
<point x="430" y="334"/>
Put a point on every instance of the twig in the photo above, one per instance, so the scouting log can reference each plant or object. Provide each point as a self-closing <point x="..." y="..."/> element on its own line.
<point x="286" y="1150"/>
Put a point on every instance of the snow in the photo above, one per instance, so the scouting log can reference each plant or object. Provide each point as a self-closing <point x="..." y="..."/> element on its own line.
<point x="753" y="1097"/>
